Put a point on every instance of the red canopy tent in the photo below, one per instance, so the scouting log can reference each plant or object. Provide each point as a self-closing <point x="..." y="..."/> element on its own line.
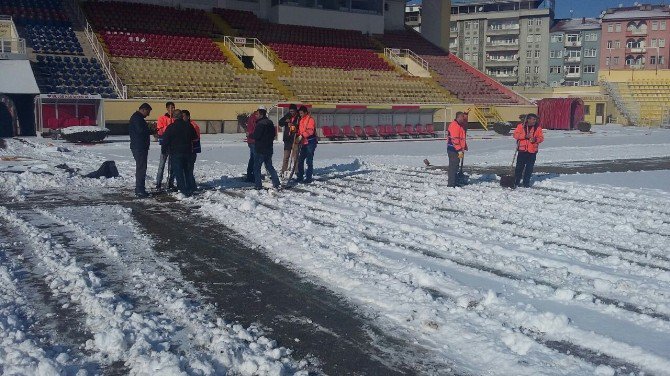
<point x="560" y="113"/>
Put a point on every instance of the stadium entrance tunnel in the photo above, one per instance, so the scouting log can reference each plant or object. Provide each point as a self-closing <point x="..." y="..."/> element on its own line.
<point x="16" y="115"/>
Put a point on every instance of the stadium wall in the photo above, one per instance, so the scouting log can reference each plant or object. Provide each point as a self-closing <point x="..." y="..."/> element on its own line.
<point x="292" y="15"/>
<point x="633" y="74"/>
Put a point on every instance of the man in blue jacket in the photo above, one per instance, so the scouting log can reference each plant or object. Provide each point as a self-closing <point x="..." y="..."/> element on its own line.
<point x="139" y="144"/>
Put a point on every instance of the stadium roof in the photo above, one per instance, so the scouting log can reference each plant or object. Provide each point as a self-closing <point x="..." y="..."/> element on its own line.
<point x="17" y="77"/>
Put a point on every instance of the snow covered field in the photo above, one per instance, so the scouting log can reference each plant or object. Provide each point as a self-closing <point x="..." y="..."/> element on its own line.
<point x="570" y="277"/>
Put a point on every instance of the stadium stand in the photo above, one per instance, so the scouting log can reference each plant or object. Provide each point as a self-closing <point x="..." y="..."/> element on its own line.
<point x="71" y="75"/>
<point x="329" y="57"/>
<point x="46" y="27"/>
<point x="48" y="39"/>
<point x="127" y="44"/>
<point x="361" y="86"/>
<point x="147" y="18"/>
<point x="469" y="84"/>
<point x="157" y="78"/>
<point x="644" y="102"/>
<point x="248" y="25"/>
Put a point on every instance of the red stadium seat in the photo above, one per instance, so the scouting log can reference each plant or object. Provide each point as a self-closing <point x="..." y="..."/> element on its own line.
<point x="349" y="132"/>
<point x="370" y="131"/>
<point x="360" y="133"/>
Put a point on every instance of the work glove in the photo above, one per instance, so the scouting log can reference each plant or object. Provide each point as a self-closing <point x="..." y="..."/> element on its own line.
<point x="460" y="155"/>
<point x="299" y="139"/>
<point x="532" y="140"/>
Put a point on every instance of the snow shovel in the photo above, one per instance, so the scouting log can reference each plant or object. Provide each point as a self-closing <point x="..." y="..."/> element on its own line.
<point x="509" y="181"/>
<point x="461" y="177"/>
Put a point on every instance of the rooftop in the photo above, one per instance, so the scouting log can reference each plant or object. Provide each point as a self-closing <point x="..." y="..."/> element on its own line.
<point x="637" y="12"/>
<point x="576" y="24"/>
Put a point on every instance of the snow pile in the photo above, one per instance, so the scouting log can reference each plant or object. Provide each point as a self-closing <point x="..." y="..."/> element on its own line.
<point x="80" y="129"/>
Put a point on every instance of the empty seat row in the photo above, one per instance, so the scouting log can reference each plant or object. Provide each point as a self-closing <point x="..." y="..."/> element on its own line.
<point x="329" y="57"/>
<point x="126" y="16"/>
<point x="162" y="46"/>
<point x="49" y="39"/>
<point x="65" y="75"/>
<point x="386" y="131"/>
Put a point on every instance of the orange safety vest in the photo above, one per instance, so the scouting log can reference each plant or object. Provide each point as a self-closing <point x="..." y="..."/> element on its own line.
<point x="306" y="128"/>
<point x="456" y="137"/>
<point x="524" y="143"/>
<point x="163" y="122"/>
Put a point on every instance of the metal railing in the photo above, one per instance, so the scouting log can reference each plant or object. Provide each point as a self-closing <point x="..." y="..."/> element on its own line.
<point x="396" y="55"/>
<point x="117" y="84"/>
<point x="234" y="43"/>
<point x="13" y="46"/>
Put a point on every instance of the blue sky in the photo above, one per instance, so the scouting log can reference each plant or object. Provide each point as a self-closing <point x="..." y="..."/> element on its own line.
<point x="591" y="8"/>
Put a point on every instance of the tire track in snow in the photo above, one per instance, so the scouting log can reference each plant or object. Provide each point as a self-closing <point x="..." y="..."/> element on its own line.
<point x="210" y="345"/>
<point x="644" y="254"/>
<point x="397" y="202"/>
<point x="623" y="364"/>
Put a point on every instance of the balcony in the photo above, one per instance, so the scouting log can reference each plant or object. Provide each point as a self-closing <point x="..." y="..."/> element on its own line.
<point x="573" y="59"/>
<point x="503" y="31"/>
<point x="501" y="62"/>
<point x="636" y="50"/>
<point x="636" y="33"/>
<point x="576" y="43"/>
<point x="502" y="46"/>
<point x="572" y="75"/>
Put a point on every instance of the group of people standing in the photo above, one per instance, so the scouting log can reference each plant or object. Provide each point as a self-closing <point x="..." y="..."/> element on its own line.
<point x="528" y="136"/>
<point x="299" y="139"/>
<point x="179" y="137"/>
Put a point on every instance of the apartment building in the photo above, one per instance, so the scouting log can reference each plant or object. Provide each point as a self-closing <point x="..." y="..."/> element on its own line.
<point x="635" y="38"/>
<point x="574" y="52"/>
<point x="506" y="39"/>
<point x="413" y="15"/>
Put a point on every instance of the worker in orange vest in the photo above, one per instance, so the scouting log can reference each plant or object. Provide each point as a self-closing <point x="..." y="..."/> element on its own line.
<point x="456" y="144"/>
<point x="528" y="137"/>
<point x="164" y="121"/>
<point x="308" y="140"/>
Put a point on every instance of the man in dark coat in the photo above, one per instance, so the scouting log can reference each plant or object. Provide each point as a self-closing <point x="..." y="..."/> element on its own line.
<point x="289" y="123"/>
<point x="178" y="142"/>
<point x="264" y="136"/>
<point x="140" y="135"/>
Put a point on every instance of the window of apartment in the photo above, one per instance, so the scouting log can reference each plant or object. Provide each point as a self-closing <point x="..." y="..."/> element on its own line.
<point x="538" y="21"/>
<point x="609" y="44"/>
<point x="587" y="108"/>
<point x="573" y="38"/>
<point x="552" y="54"/>
<point x="538" y="38"/>
<point x="607" y="61"/>
<point x="654" y="42"/>
<point x="467" y="56"/>
<point x="662" y="25"/>
<point x="573" y="53"/>
<point x="529" y="39"/>
<point x="557" y="38"/>
<point x="591" y="37"/>
<point x="530" y="22"/>
<point x="590" y="52"/>
<point x="467" y="25"/>
<point x="559" y="54"/>
<point x="661" y="60"/>
<point x="529" y="54"/>
<point x="555" y="69"/>
<point x="617" y="27"/>
<point x="617" y="44"/>
<point x="615" y="60"/>
<point x="610" y="28"/>
<point x="589" y="69"/>
<point x="467" y="41"/>
<point x="652" y="60"/>
<point x="475" y="41"/>
<point x="527" y="70"/>
<point x="537" y="54"/>
<point x="630" y="60"/>
<point x="661" y="42"/>
<point x="475" y="24"/>
<point x="573" y="69"/>
<point x="654" y="25"/>
<point x="537" y="70"/>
